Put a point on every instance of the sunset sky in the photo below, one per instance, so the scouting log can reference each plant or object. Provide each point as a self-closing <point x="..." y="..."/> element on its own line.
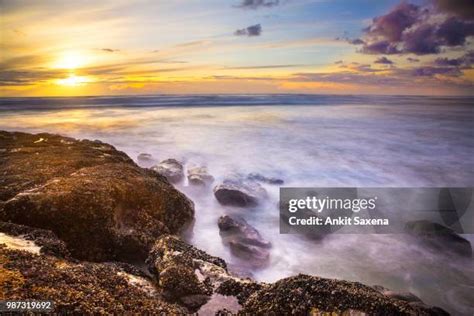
<point x="62" y="48"/>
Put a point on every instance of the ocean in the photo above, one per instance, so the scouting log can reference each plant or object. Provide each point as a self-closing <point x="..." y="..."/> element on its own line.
<point x="308" y="141"/>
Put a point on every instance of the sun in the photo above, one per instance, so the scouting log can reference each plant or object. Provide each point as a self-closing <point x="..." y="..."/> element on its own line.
<point x="71" y="61"/>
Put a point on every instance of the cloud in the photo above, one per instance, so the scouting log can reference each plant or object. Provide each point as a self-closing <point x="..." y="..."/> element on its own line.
<point x="464" y="62"/>
<point x="253" y="30"/>
<point x="110" y="50"/>
<point x="255" y="4"/>
<point x="421" y="30"/>
<point x="463" y="8"/>
<point x="383" y="60"/>
<point x="413" y="60"/>
<point x="357" y="41"/>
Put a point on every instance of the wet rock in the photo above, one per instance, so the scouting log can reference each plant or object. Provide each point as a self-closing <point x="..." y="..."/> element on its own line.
<point x="145" y="157"/>
<point x="199" y="176"/>
<point x="237" y="192"/>
<point x="439" y="237"/>
<point x="171" y="169"/>
<point x="184" y="272"/>
<point x="93" y="197"/>
<point x="79" y="288"/>
<point x="244" y="240"/>
<point x="46" y="239"/>
<point x="262" y="178"/>
<point x="303" y="294"/>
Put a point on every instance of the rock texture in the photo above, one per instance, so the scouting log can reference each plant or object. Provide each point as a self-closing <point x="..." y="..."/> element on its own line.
<point x="172" y="169"/>
<point x="237" y="192"/>
<point x="308" y="295"/>
<point x="184" y="272"/>
<point x="93" y="197"/>
<point x="79" y="288"/>
<point x="439" y="237"/>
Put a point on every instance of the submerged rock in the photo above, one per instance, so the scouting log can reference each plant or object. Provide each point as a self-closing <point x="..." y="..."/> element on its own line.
<point x="93" y="197"/>
<point x="79" y="288"/>
<point x="244" y="240"/>
<point x="264" y="179"/>
<point x="237" y="192"/>
<point x="172" y="169"/>
<point x="439" y="237"/>
<point x="145" y="157"/>
<point x="199" y="176"/>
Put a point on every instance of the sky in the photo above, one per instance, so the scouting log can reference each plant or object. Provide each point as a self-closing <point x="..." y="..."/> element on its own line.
<point x="69" y="48"/>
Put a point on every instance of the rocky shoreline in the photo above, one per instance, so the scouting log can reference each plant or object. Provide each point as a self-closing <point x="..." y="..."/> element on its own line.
<point x="105" y="235"/>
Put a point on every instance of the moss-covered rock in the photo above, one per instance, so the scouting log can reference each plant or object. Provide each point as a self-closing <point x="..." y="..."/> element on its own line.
<point x="93" y="197"/>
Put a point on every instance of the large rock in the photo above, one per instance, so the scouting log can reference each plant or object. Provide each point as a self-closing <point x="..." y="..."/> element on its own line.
<point x="172" y="169"/>
<point x="244" y="240"/>
<point x="308" y="295"/>
<point x="439" y="237"/>
<point x="238" y="192"/>
<point x="199" y="176"/>
<point x="79" y="288"/>
<point x="93" y="197"/>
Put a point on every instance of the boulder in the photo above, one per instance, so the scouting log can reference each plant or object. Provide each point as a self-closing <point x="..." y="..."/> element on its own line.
<point x="186" y="274"/>
<point x="81" y="288"/>
<point x="244" y="240"/>
<point x="199" y="176"/>
<point x="439" y="237"/>
<point x="264" y="179"/>
<point x="172" y="169"/>
<point x="237" y="192"/>
<point x="306" y="295"/>
<point x="93" y="197"/>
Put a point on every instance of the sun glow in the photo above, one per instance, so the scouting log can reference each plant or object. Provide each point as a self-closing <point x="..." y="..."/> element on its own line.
<point x="70" y="60"/>
<point x="73" y="80"/>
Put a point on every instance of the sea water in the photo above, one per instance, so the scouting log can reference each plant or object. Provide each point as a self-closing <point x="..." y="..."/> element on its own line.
<point x="308" y="141"/>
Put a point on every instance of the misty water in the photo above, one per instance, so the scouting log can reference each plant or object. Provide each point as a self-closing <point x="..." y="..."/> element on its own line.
<point x="308" y="141"/>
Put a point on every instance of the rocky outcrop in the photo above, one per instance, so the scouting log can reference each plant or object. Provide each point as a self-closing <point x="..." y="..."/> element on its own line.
<point x="172" y="169"/>
<point x="244" y="240"/>
<point x="79" y="288"/>
<point x="237" y="192"/>
<point x="93" y="197"/>
<point x="308" y="295"/>
<point x="439" y="237"/>
<point x="199" y="176"/>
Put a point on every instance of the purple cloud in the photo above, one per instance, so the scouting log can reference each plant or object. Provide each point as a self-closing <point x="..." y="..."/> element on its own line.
<point x="409" y="28"/>
<point x="462" y="8"/>
<point x="392" y="25"/>
<point x="253" y="30"/>
<point x="383" y="60"/>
